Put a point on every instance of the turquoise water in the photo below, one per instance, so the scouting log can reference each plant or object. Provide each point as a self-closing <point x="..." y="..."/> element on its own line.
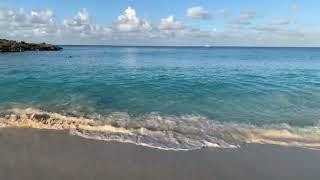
<point x="247" y="85"/>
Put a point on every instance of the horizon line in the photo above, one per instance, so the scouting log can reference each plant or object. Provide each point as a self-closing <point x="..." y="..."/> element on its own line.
<point x="182" y="46"/>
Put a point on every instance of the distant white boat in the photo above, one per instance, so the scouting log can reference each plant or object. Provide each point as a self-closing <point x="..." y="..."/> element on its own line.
<point x="207" y="45"/>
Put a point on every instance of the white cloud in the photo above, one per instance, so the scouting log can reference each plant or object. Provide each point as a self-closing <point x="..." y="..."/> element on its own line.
<point x="271" y="31"/>
<point x="41" y="17"/>
<point x="24" y="24"/>
<point x="21" y="18"/>
<point x="129" y="29"/>
<point x="82" y="25"/>
<point x="80" y="22"/>
<point x="244" y="19"/>
<point x="173" y="30"/>
<point x="198" y="13"/>
<point x="7" y="16"/>
<point x="247" y="15"/>
<point x="130" y="22"/>
<point x="170" y="23"/>
<point x="295" y="7"/>
<point x="4" y="14"/>
<point x="241" y="22"/>
<point x="223" y="13"/>
<point x="282" y="22"/>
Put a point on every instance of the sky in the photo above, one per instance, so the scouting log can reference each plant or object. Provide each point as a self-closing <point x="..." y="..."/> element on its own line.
<point x="163" y="22"/>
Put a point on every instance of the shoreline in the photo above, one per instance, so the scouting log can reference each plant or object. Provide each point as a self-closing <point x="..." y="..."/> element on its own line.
<point x="50" y="154"/>
<point x="7" y="46"/>
<point x="168" y="133"/>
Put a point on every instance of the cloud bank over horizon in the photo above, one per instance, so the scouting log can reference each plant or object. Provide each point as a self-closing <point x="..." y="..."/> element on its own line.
<point x="246" y="28"/>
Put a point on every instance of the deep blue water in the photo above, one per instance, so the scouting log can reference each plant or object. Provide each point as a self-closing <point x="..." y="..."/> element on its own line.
<point x="250" y="85"/>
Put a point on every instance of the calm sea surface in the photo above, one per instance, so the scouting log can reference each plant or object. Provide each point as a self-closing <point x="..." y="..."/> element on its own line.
<point x="246" y="85"/>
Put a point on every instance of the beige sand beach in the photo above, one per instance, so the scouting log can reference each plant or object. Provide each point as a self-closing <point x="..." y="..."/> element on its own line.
<point x="31" y="154"/>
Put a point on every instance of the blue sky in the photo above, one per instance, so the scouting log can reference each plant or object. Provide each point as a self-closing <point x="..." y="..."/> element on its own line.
<point x="165" y="22"/>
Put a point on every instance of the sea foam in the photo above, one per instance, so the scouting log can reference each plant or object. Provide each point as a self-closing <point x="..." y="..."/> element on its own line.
<point x="189" y="132"/>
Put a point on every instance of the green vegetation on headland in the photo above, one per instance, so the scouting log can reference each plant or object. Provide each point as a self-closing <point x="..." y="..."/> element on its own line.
<point x="14" y="46"/>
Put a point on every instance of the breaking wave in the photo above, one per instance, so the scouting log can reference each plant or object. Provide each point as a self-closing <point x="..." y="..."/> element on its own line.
<point x="187" y="132"/>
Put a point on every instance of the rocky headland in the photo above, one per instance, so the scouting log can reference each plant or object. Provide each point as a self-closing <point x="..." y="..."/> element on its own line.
<point x="15" y="46"/>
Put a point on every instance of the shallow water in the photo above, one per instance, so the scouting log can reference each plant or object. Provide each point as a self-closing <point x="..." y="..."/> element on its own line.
<point x="252" y="86"/>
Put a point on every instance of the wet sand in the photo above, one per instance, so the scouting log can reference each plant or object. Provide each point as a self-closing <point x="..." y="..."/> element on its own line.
<point x="29" y="154"/>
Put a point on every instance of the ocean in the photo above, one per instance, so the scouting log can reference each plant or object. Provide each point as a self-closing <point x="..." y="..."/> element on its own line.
<point x="179" y="98"/>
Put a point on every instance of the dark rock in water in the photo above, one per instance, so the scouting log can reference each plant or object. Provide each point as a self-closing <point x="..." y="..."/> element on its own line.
<point x="14" y="46"/>
<point x="41" y="117"/>
<point x="4" y="114"/>
<point x="72" y="114"/>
